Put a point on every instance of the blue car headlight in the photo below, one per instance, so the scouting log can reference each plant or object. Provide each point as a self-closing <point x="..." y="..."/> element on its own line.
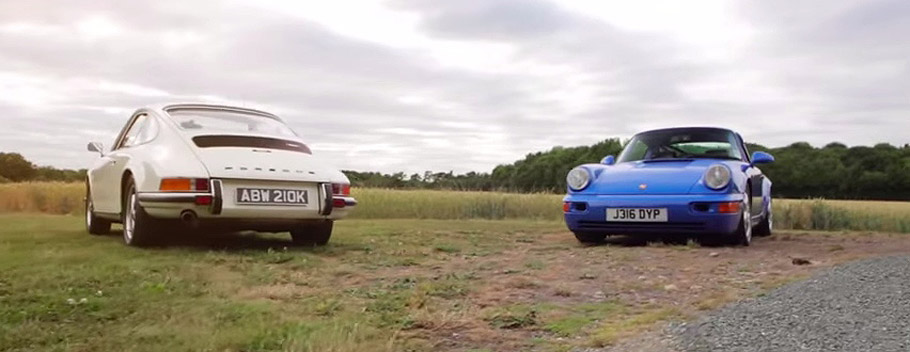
<point x="578" y="178"/>
<point x="717" y="176"/>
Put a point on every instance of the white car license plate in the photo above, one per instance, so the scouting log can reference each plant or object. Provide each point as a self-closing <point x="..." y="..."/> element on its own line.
<point x="272" y="196"/>
<point x="637" y="214"/>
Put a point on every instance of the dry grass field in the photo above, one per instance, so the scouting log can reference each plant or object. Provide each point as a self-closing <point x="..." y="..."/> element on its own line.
<point x="827" y="215"/>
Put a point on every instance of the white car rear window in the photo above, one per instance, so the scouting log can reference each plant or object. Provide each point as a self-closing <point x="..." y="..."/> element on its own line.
<point x="200" y="121"/>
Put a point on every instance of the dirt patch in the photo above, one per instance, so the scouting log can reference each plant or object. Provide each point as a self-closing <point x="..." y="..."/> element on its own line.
<point x="545" y="291"/>
<point x="686" y="279"/>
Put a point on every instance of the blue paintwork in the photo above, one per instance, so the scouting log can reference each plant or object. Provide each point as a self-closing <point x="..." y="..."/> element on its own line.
<point x="762" y="158"/>
<point x="675" y="184"/>
<point x="608" y="160"/>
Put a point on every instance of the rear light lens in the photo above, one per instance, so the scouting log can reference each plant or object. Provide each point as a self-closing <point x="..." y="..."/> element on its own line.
<point x="184" y="185"/>
<point x="202" y="184"/>
<point x="341" y="189"/>
<point x="338" y="203"/>
<point x="566" y="206"/>
<point x="203" y="200"/>
<point x="729" y="207"/>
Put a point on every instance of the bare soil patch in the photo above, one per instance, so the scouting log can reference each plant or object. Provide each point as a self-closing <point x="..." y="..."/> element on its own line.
<point x="680" y="280"/>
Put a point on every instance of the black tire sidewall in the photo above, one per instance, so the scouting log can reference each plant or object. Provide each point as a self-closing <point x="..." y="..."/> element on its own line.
<point x="764" y="228"/>
<point x="143" y="227"/>
<point x="313" y="234"/>
<point x="590" y="238"/>
<point x="93" y="224"/>
<point x="739" y="236"/>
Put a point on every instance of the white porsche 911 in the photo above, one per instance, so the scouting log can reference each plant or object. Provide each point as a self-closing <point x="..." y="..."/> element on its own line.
<point x="212" y="167"/>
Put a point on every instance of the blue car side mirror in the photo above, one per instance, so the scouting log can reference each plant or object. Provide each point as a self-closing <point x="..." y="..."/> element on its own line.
<point x="608" y="160"/>
<point x="762" y="158"/>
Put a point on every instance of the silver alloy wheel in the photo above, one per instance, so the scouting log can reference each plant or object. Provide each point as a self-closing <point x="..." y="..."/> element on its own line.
<point x="129" y="220"/>
<point x="747" y="221"/>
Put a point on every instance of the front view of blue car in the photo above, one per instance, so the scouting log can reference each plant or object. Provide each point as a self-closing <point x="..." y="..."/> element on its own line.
<point x="692" y="181"/>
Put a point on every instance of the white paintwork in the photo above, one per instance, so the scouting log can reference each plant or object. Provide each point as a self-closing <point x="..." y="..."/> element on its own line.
<point x="168" y="151"/>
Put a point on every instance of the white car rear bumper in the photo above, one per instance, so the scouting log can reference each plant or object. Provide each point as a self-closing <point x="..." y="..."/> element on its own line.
<point x="222" y="203"/>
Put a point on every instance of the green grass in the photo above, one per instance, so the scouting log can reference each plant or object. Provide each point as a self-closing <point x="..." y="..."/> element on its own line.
<point x="580" y="317"/>
<point x="512" y="317"/>
<point x="380" y="285"/>
<point x="62" y="289"/>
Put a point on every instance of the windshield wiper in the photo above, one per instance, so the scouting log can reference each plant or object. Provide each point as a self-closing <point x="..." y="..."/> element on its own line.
<point x="663" y="160"/>
<point x="725" y="157"/>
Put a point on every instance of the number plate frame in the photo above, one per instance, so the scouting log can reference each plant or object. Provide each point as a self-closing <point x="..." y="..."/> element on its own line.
<point x="637" y="215"/>
<point x="271" y="196"/>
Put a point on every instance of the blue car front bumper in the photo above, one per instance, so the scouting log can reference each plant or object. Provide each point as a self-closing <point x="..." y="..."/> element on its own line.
<point x="686" y="214"/>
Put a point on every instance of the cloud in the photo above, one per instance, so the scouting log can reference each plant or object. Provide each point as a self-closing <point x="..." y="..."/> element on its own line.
<point x="456" y="85"/>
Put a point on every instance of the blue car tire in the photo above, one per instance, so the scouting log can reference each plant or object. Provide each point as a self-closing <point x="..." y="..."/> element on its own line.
<point x="589" y="237"/>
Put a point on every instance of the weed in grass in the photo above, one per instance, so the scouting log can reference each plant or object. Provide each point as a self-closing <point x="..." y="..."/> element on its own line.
<point x="278" y="256"/>
<point x="716" y="299"/>
<point x="311" y="337"/>
<point x="835" y="248"/>
<point x="576" y="318"/>
<point x="524" y="283"/>
<point x="632" y="323"/>
<point x="388" y="307"/>
<point x="446" y="289"/>
<point x="512" y="317"/>
<point x="563" y="292"/>
<point x="327" y="307"/>
<point x="447" y="248"/>
<point x="404" y="283"/>
<point x="535" y="265"/>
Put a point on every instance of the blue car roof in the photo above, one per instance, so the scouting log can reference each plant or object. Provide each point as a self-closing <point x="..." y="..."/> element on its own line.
<point x="682" y="129"/>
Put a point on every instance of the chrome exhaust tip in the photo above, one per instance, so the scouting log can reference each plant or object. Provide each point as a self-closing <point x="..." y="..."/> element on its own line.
<point x="189" y="217"/>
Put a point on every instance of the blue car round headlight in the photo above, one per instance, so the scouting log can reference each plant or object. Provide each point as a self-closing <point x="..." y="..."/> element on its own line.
<point x="717" y="176"/>
<point x="578" y="178"/>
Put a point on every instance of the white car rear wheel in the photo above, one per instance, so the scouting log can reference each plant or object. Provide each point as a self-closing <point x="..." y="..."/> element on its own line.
<point x="138" y="227"/>
<point x="313" y="234"/>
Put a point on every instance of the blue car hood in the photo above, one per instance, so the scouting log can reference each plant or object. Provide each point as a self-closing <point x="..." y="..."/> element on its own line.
<point x="658" y="177"/>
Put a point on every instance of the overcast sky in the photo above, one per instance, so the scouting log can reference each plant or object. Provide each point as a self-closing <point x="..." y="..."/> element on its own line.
<point x="413" y="85"/>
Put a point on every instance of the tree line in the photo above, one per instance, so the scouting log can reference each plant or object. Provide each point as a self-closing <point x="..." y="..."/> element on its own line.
<point x="834" y="171"/>
<point x="800" y="170"/>
<point x="16" y="168"/>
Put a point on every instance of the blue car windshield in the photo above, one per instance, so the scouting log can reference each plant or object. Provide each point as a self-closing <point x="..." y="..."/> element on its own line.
<point x="682" y="144"/>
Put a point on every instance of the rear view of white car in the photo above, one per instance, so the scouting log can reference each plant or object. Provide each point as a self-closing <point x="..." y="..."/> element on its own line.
<point x="212" y="167"/>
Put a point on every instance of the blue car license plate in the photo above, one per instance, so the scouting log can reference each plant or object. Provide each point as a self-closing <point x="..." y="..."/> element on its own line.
<point x="637" y="214"/>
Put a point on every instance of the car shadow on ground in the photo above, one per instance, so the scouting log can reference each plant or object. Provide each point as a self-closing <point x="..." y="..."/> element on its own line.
<point x="644" y="240"/>
<point x="236" y="241"/>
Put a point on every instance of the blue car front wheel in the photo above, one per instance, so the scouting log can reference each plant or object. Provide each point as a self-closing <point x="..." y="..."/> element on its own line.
<point x="764" y="227"/>
<point x="743" y="234"/>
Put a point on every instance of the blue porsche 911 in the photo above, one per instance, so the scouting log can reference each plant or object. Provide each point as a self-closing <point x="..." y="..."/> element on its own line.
<point x="689" y="181"/>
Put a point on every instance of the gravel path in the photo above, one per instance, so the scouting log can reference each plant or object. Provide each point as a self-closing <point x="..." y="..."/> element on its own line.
<point x="860" y="306"/>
